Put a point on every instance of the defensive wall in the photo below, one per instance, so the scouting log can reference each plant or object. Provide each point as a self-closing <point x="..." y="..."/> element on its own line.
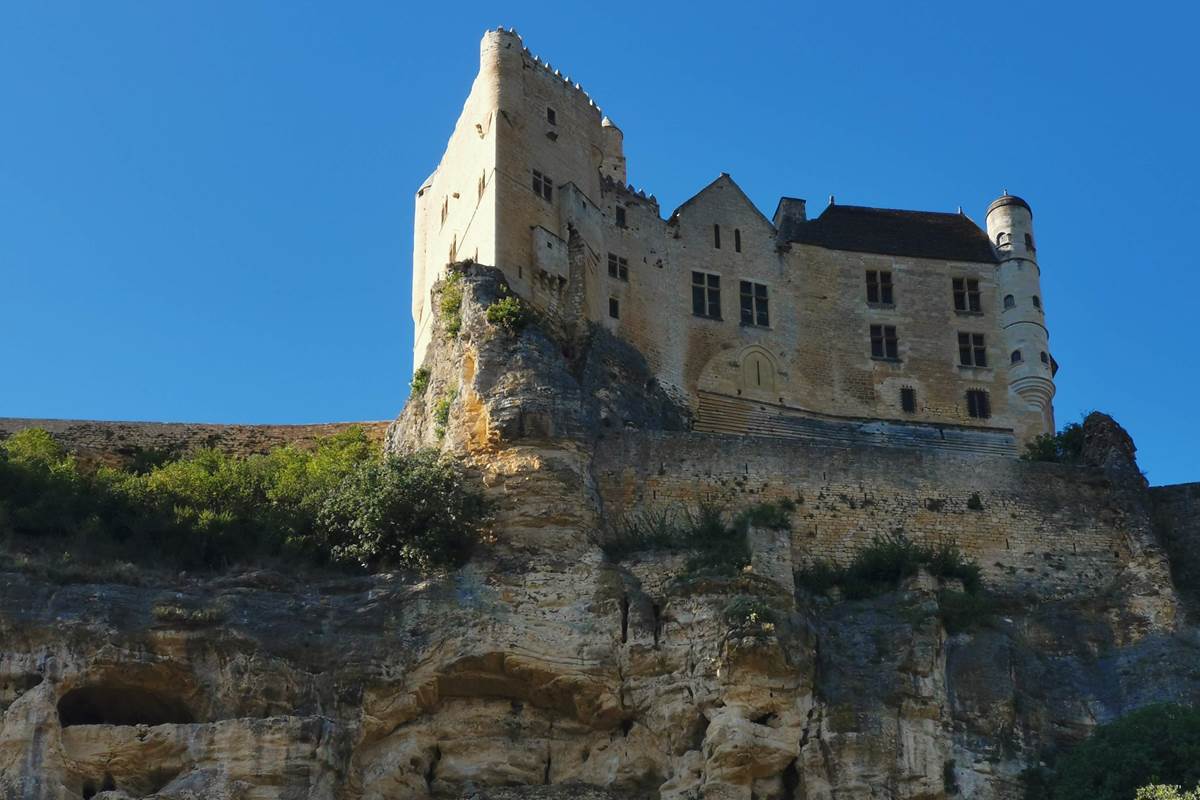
<point x="1053" y="529"/>
<point x="1177" y="521"/>
<point x="117" y="441"/>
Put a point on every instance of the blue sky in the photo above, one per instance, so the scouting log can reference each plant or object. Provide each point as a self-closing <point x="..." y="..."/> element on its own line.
<point x="206" y="208"/>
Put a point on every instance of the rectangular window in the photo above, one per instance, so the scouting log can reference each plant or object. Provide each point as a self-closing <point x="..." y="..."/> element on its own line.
<point x="618" y="267"/>
<point x="551" y="117"/>
<point x="884" y="343"/>
<point x="717" y="236"/>
<point x="620" y="217"/>
<point x="754" y="304"/>
<point x="972" y="351"/>
<point x="978" y="404"/>
<point x="543" y="186"/>
<point x="966" y="295"/>
<point x="908" y="399"/>
<point x="614" y="308"/>
<point x="879" y="287"/>
<point x="706" y="295"/>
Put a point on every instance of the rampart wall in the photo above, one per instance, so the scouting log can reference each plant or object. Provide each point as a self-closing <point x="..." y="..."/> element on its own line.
<point x="1052" y="529"/>
<point x="117" y="441"/>
<point x="1177" y="522"/>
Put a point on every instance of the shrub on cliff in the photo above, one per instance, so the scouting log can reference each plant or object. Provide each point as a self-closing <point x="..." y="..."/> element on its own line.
<point x="716" y="544"/>
<point x="509" y="313"/>
<point x="1064" y="447"/>
<point x="885" y="562"/>
<point x="450" y="305"/>
<point x="413" y="511"/>
<point x="1158" y="744"/>
<point x="211" y="509"/>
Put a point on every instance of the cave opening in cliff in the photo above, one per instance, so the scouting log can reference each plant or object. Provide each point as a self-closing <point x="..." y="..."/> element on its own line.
<point x="104" y="705"/>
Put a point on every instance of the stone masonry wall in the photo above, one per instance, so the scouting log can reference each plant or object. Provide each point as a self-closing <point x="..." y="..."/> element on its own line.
<point x="1044" y="528"/>
<point x="117" y="441"/>
<point x="1177" y="522"/>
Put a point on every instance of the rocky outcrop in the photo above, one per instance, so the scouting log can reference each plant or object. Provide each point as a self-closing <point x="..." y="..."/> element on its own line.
<point x="544" y="669"/>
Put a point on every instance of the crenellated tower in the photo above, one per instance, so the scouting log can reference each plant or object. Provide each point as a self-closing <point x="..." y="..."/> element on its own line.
<point x="1022" y="315"/>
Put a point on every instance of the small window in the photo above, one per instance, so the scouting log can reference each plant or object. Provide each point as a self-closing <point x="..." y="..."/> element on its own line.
<point x="551" y="117"/>
<point x="614" y="308"/>
<point x="1037" y="301"/>
<point x="620" y="216"/>
<point x="1016" y="357"/>
<point x="978" y="404"/>
<point x="618" y="267"/>
<point x="543" y="186"/>
<point x="482" y="184"/>
<point x="1009" y="301"/>
<point x="971" y="350"/>
<point x="445" y="209"/>
<point x="737" y="240"/>
<point x="879" y="287"/>
<point x="754" y="304"/>
<point x="1045" y="358"/>
<point x="1029" y="243"/>
<point x="884" y="343"/>
<point x="966" y="295"/>
<point x="706" y="295"/>
<point x="908" y="399"/>
<point x="1003" y="239"/>
<point x="717" y="236"/>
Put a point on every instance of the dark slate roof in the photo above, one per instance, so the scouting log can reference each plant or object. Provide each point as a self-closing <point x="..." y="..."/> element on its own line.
<point x="920" y="234"/>
<point x="1010" y="200"/>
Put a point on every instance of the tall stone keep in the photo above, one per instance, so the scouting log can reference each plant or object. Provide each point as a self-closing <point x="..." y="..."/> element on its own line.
<point x="1022" y="316"/>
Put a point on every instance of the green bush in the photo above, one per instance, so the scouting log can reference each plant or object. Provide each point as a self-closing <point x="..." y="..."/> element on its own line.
<point x="1158" y="744"/>
<point x="715" y="545"/>
<point x="509" y="313"/>
<point x="776" y="516"/>
<point x="750" y="614"/>
<point x="209" y="509"/>
<point x="441" y="412"/>
<point x="413" y="511"/>
<point x="451" y="303"/>
<point x="1161" y="792"/>
<point x="887" y="561"/>
<point x="419" y="382"/>
<point x="963" y="611"/>
<point x="1064" y="447"/>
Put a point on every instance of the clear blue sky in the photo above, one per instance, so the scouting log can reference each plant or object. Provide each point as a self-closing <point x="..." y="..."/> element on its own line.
<point x="206" y="208"/>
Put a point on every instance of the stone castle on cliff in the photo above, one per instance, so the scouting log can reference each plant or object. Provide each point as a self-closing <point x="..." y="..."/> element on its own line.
<point x="913" y="326"/>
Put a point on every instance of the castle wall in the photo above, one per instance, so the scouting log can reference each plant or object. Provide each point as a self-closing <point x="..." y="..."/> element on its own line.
<point x="1177" y="522"/>
<point x="113" y="442"/>
<point x="1047" y="528"/>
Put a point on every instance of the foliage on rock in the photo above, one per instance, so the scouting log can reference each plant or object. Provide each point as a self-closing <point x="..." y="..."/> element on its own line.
<point x="450" y="305"/>
<point x="1064" y="447"/>
<point x="884" y="563"/>
<point x="509" y="314"/>
<point x="419" y="382"/>
<point x="211" y="510"/>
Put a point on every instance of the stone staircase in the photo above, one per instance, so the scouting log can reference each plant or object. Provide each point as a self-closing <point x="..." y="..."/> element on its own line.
<point x="719" y="413"/>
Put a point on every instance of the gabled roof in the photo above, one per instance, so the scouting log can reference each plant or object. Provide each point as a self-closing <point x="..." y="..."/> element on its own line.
<point x="722" y="180"/>
<point x="920" y="234"/>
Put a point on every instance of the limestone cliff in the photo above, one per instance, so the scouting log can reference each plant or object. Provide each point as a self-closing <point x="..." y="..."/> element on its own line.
<point x="546" y="669"/>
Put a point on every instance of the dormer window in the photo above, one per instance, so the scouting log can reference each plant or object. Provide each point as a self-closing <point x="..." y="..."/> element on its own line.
<point x="551" y="117"/>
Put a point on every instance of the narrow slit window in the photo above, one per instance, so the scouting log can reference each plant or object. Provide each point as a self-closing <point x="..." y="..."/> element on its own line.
<point x="620" y="217"/>
<point x="908" y="399"/>
<point x="1045" y="358"/>
<point x="737" y="240"/>
<point x="1029" y="243"/>
<point x="979" y="405"/>
<point x="614" y="308"/>
<point x="445" y="209"/>
<point x="551" y="117"/>
<point x="966" y="295"/>
<point x="1037" y="302"/>
<point x="706" y="295"/>
<point x="972" y="351"/>
<point x="754" y="304"/>
<point x="884" y="342"/>
<point x="717" y="236"/>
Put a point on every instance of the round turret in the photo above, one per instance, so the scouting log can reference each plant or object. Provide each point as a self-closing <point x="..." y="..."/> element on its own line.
<point x="613" y="163"/>
<point x="1022" y="314"/>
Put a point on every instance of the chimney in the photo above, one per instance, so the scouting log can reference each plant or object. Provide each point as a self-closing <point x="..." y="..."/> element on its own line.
<point x="790" y="211"/>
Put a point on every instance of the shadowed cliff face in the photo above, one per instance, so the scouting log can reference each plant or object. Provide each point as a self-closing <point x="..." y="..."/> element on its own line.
<point x="543" y="669"/>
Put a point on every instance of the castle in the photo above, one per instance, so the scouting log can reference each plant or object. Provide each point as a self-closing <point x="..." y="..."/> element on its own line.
<point x="919" y="324"/>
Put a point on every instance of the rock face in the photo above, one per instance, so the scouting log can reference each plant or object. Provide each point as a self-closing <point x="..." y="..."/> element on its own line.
<point x="546" y="669"/>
